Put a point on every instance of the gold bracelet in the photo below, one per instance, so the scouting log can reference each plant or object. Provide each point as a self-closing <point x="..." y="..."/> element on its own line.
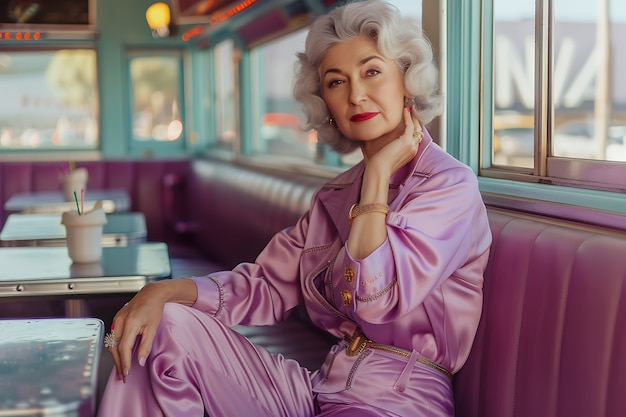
<point x="357" y="210"/>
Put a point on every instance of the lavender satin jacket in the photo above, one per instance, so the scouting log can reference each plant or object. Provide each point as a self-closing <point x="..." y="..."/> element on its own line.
<point x="420" y="290"/>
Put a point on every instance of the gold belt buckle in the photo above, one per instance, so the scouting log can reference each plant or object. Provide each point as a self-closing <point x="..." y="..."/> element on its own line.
<point x="356" y="345"/>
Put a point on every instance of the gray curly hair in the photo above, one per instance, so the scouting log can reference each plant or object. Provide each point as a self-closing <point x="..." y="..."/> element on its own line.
<point x="395" y="38"/>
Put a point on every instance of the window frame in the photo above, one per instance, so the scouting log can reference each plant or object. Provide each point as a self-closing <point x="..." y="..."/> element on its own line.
<point x="151" y="148"/>
<point x="60" y="153"/>
<point x="469" y="115"/>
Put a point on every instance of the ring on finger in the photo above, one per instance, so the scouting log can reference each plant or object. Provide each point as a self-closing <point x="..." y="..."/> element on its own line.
<point x="110" y="340"/>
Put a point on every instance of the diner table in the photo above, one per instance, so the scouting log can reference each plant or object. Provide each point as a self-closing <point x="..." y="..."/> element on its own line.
<point x="49" y="367"/>
<point x="55" y="202"/>
<point x="47" y="273"/>
<point x="45" y="229"/>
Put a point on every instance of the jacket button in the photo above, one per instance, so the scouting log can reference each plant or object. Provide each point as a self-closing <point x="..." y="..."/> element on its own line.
<point x="346" y="298"/>
<point x="348" y="274"/>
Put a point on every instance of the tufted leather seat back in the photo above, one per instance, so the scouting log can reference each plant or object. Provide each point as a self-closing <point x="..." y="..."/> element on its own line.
<point x="236" y="210"/>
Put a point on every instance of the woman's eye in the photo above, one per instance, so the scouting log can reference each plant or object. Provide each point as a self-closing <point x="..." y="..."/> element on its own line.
<point x="333" y="83"/>
<point x="372" y="71"/>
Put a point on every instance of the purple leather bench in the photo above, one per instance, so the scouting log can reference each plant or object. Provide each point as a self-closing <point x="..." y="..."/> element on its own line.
<point x="235" y="210"/>
<point x="144" y="180"/>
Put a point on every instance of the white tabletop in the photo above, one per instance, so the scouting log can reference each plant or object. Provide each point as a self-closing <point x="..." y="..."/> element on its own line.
<point x="54" y="201"/>
<point x="45" y="229"/>
<point x="49" y="366"/>
<point x="49" y="271"/>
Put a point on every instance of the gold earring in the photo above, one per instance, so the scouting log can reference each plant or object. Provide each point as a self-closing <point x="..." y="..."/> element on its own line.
<point x="331" y="122"/>
<point x="409" y="102"/>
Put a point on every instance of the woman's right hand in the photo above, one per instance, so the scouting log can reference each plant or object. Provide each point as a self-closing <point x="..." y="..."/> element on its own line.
<point x="140" y="318"/>
<point x="399" y="152"/>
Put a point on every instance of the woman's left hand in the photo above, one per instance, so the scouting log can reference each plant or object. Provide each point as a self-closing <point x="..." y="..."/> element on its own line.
<point x="136" y="323"/>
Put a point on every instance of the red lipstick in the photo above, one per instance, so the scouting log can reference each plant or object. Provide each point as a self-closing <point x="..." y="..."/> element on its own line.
<point x="361" y="117"/>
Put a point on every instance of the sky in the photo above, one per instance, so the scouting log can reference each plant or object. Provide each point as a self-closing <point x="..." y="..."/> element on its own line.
<point x="408" y="7"/>
<point x="573" y="10"/>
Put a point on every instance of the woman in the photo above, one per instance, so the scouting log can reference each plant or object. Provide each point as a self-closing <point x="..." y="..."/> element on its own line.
<point x="389" y="259"/>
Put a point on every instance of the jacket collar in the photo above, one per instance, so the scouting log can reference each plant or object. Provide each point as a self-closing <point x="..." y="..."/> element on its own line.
<point x="340" y="194"/>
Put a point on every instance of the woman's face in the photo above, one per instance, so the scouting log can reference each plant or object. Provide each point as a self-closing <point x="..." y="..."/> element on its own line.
<point x="364" y="91"/>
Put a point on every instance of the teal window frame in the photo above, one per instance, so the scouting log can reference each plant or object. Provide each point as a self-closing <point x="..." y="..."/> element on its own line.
<point x="468" y="120"/>
<point x="152" y="148"/>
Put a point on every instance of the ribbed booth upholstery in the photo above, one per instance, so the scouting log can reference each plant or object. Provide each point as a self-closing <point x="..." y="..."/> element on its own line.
<point x="552" y="338"/>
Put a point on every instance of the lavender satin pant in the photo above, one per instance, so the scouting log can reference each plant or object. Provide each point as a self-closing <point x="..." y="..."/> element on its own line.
<point x="196" y="363"/>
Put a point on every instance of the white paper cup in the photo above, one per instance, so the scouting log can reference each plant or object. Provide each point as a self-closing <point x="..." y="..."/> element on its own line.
<point x="88" y="269"/>
<point x="84" y="235"/>
<point x="74" y="181"/>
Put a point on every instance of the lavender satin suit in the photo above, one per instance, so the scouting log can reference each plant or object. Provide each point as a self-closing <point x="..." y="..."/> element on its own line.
<point x="421" y="291"/>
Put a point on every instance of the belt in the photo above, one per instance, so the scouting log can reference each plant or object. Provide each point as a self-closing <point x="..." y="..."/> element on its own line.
<point x="358" y="343"/>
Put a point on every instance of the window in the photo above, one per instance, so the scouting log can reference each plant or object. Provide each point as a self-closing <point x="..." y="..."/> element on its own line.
<point x="513" y="84"/>
<point x="156" y="97"/>
<point x="589" y="93"/>
<point x="49" y="100"/>
<point x="226" y="93"/>
<point x="559" y="102"/>
<point x="279" y="124"/>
